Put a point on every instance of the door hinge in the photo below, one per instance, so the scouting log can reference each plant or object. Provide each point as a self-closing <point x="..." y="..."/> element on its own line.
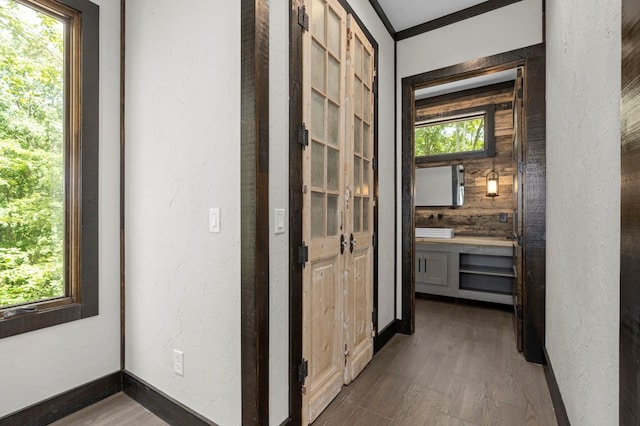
<point x="303" y="371"/>
<point x="375" y="85"/>
<point x="374" y="239"/>
<point x="346" y="354"/>
<point x="303" y="254"/>
<point x="519" y="313"/>
<point x="520" y="166"/>
<point x="521" y="240"/>
<point x="303" y="18"/>
<point x="520" y="93"/>
<point x="303" y="136"/>
<point x="374" y="163"/>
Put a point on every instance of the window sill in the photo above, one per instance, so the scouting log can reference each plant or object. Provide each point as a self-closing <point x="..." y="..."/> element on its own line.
<point x="43" y="318"/>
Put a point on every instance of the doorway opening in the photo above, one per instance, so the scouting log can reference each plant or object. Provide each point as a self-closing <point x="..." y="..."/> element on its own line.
<point x="530" y="62"/>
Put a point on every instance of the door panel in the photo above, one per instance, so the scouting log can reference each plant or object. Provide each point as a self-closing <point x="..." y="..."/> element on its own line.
<point x="359" y="276"/>
<point x="324" y="65"/>
<point x="359" y="325"/>
<point x="323" y="300"/>
<point x="436" y="268"/>
<point x="337" y="204"/>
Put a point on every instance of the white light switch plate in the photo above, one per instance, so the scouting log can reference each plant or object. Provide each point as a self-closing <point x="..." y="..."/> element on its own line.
<point x="178" y="362"/>
<point x="214" y="220"/>
<point x="279" y="221"/>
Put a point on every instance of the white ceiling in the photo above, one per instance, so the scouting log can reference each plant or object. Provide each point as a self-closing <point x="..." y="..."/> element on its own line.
<point x="405" y="14"/>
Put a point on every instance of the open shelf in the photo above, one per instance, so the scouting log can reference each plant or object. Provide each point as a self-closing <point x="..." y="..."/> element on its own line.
<point x="487" y="270"/>
<point x="486" y="283"/>
<point x="486" y="273"/>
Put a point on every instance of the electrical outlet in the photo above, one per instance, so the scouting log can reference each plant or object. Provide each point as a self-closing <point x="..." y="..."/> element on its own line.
<point x="503" y="217"/>
<point x="178" y="362"/>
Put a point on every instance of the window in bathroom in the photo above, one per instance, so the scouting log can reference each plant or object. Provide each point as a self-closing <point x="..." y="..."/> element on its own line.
<point x="455" y="135"/>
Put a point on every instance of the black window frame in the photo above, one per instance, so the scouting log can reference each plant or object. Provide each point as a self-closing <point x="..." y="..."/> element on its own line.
<point x="83" y="300"/>
<point x="488" y="111"/>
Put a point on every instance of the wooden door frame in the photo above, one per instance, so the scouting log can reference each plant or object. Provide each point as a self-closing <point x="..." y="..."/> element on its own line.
<point x="254" y="200"/>
<point x="532" y="59"/>
<point x="629" y="345"/>
<point x="295" y="201"/>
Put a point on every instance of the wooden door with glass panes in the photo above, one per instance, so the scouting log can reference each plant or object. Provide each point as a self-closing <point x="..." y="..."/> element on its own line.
<point x="337" y="206"/>
<point x="359" y="260"/>
<point x="324" y="58"/>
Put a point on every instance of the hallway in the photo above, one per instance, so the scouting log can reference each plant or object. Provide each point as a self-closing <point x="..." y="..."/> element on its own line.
<point x="461" y="367"/>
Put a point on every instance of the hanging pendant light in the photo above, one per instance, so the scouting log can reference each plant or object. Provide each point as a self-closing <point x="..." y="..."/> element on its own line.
<point x="493" y="183"/>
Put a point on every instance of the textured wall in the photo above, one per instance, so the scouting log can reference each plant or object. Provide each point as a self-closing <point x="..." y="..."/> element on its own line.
<point x="182" y="158"/>
<point x="44" y="363"/>
<point x="279" y="198"/>
<point x="583" y="205"/>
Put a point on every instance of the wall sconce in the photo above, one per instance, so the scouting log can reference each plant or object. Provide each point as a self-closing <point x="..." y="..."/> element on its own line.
<point x="492" y="183"/>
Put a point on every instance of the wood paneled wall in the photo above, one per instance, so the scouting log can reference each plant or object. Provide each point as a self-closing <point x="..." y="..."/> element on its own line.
<point x="480" y="215"/>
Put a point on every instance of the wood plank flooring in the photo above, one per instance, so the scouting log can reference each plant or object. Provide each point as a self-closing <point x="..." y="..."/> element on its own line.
<point x="461" y="367"/>
<point x="117" y="409"/>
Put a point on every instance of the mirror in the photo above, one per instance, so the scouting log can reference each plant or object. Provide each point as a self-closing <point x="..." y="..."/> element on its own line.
<point x="439" y="186"/>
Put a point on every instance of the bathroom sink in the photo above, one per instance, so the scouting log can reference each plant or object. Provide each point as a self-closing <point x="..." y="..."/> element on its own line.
<point x="434" y="233"/>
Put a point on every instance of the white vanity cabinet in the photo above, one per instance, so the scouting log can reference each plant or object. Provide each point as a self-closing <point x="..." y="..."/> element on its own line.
<point x="466" y="267"/>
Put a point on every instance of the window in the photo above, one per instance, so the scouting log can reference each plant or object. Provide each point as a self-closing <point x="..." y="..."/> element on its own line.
<point x="48" y="163"/>
<point x="455" y="135"/>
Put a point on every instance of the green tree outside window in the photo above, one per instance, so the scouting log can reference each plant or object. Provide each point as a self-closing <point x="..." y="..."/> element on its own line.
<point x="464" y="135"/>
<point x="32" y="225"/>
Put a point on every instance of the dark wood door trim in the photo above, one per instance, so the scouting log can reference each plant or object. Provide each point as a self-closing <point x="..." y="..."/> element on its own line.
<point x="452" y="18"/>
<point x="295" y="213"/>
<point x="629" y="404"/>
<point x="254" y="234"/>
<point x="123" y="5"/>
<point x="533" y="60"/>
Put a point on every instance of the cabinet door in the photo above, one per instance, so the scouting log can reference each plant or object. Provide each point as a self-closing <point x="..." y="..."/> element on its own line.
<point x="420" y="264"/>
<point x="436" y="268"/>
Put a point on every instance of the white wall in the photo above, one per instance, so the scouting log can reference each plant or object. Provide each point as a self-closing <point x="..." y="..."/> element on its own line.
<point x="508" y="28"/>
<point x="44" y="363"/>
<point x="182" y="158"/>
<point x="583" y="205"/>
<point x="278" y="198"/>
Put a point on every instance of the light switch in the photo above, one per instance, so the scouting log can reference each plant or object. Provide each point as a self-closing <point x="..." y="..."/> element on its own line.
<point x="214" y="220"/>
<point x="279" y="221"/>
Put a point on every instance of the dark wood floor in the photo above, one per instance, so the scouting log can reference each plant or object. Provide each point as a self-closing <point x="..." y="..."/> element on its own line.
<point x="461" y="367"/>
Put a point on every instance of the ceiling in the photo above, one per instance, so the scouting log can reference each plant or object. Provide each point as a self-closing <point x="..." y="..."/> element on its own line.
<point x="405" y="14"/>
